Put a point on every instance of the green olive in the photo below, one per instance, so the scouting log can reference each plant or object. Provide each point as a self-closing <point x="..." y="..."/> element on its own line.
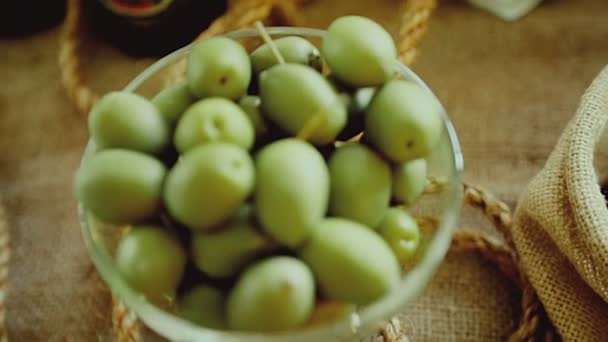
<point x="292" y="190"/>
<point x="293" y="95"/>
<point x="126" y="120"/>
<point x="361" y="99"/>
<point x="120" y="186"/>
<point x="359" y="51"/>
<point x="293" y="49"/>
<point x="401" y="232"/>
<point x="152" y="261"/>
<point x="346" y="99"/>
<point x="218" y="66"/>
<point x="213" y="119"/>
<point x="208" y="185"/>
<point x="403" y="121"/>
<point x="224" y="253"/>
<point x="409" y="180"/>
<point x="360" y="184"/>
<point x="203" y="305"/>
<point x="276" y="294"/>
<point x="173" y="101"/>
<point x="351" y="262"/>
<point x="252" y="106"/>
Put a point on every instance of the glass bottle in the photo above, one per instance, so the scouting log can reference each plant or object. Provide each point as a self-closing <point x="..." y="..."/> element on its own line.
<point x="151" y="27"/>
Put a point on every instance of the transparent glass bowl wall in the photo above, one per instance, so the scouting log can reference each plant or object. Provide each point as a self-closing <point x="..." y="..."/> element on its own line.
<point x="445" y="163"/>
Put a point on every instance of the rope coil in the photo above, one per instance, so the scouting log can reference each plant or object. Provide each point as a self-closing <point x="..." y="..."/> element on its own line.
<point x="242" y="14"/>
<point x="504" y="256"/>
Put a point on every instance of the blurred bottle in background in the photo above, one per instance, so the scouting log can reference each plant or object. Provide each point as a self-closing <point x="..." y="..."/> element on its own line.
<point x="509" y="10"/>
<point x="151" y="27"/>
<point x="20" y="18"/>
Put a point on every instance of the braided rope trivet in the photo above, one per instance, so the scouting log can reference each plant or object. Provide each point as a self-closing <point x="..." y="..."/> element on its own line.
<point x="240" y="14"/>
<point x="502" y="255"/>
<point x="5" y="253"/>
<point x="506" y="260"/>
<point x="244" y="13"/>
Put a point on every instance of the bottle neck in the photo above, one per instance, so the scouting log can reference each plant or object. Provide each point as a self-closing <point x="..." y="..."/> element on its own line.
<point x="151" y="27"/>
<point x="137" y="9"/>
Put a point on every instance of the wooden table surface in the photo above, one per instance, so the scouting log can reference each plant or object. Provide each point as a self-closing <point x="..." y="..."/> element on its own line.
<point x="509" y="88"/>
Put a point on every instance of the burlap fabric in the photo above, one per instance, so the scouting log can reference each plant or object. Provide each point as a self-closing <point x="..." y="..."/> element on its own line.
<point x="561" y="226"/>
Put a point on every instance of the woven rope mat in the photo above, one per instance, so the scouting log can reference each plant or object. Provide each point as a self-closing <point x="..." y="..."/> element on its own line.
<point x="243" y="13"/>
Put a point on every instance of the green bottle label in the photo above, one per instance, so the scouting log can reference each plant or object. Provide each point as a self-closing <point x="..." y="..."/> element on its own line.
<point x="137" y="8"/>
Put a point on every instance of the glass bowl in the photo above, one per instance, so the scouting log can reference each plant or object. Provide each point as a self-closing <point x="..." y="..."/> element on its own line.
<point x="443" y="206"/>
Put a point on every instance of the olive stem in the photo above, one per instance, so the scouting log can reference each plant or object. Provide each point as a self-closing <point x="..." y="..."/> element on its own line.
<point x="356" y="139"/>
<point x="266" y="37"/>
<point x="310" y="126"/>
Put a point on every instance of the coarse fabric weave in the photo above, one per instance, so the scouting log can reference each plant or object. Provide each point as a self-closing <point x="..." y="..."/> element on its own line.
<point x="561" y="225"/>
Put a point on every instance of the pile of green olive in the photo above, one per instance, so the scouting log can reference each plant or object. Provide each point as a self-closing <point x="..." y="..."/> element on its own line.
<point x="254" y="201"/>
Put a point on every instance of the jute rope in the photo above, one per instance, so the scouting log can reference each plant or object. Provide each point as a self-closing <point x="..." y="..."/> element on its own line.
<point x="414" y="23"/>
<point x="69" y="58"/>
<point x="504" y="256"/>
<point x="240" y="14"/>
<point x="5" y="253"/>
<point x="125" y="323"/>
<point x="244" y="13"/>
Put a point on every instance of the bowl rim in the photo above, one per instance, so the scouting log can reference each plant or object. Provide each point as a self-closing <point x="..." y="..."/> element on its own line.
<point x="415" y="280"/>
